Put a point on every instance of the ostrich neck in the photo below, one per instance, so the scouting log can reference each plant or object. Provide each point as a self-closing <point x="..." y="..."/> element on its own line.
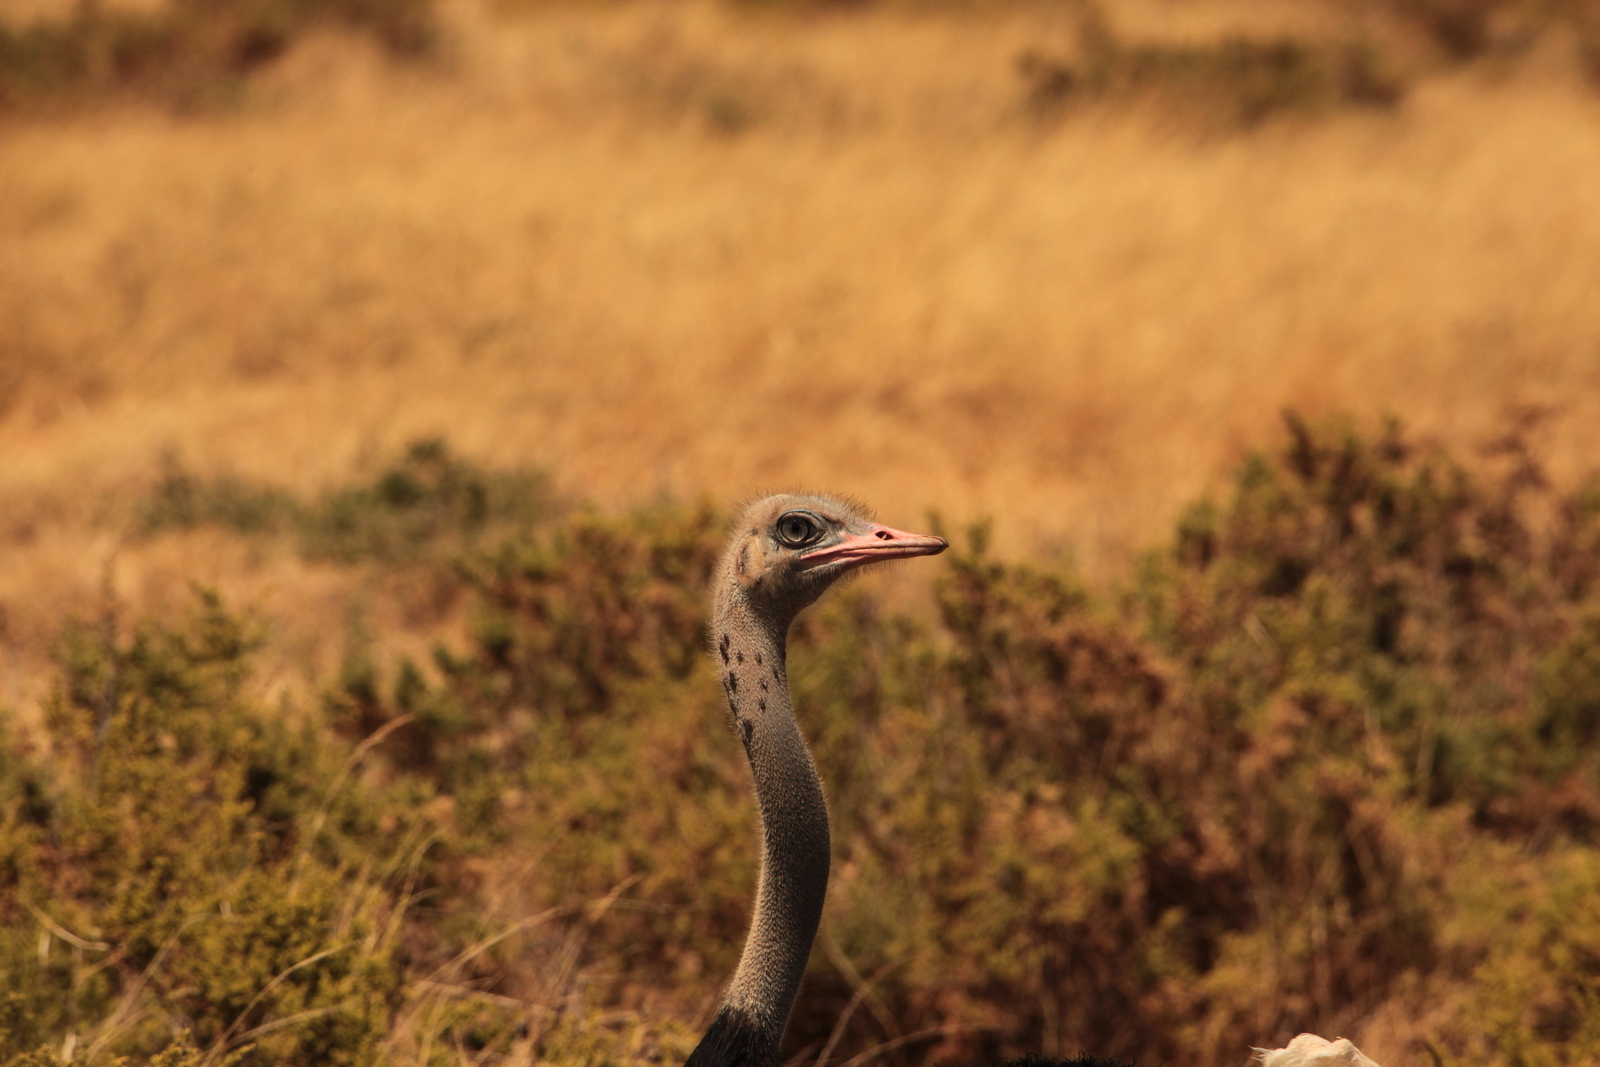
<point x="794" y="832"/>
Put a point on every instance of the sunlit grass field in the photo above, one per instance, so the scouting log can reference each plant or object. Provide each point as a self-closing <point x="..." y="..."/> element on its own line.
<point x="664" y="256"/>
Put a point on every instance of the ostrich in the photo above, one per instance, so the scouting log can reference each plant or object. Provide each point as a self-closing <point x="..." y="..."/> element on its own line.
<point x="784" y="553"/>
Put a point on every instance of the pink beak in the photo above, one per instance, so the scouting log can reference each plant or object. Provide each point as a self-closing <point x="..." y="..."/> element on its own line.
<point x="878" y="543"/>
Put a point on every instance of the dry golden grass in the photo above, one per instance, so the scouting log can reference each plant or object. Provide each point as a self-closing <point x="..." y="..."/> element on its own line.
<point x="679" y="249"/>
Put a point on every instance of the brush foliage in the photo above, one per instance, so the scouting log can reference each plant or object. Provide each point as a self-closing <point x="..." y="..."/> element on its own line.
<point x="422" y="503"/>
<point x="187" y="53"/>
<point x="1336" y="747"/>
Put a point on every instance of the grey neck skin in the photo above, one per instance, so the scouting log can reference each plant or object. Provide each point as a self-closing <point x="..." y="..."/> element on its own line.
<point x="749" y="645"/>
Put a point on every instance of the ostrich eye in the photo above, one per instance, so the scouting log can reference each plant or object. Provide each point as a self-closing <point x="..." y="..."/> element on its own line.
<point x="796" y="530"/>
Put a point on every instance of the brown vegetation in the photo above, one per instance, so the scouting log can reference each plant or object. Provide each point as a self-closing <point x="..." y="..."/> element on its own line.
<point x="1329" y="762"/>
<point x="1025" y="261"/>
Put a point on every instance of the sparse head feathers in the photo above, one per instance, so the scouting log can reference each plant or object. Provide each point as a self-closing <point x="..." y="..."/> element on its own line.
<point x="839" y="501"/>
<point x="786" y="549"/>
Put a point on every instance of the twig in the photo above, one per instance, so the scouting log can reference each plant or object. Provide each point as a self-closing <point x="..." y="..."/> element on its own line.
<point x="863" y="990"/>
<point x="575" y="940"/>
<point x="321" y="820"/>
<point x="291" y="1020"/>
<point x="125" y="1003"/>
<point x="478" y="948"/>
<point x="889" y="1046"/>
<point x="62" y="932"/>
<point x="456" y="992"/>
<point x="800" y="1057"/>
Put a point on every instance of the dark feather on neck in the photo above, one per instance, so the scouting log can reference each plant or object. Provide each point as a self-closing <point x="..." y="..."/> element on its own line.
<point x="734" y="1040"/>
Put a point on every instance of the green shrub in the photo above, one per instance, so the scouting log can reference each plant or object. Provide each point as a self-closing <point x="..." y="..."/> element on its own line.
<point x="154" y="859"/>
<point x="1334" y="746"/>
<point x="1167" y="828"/>
<point x="425" y="502"/>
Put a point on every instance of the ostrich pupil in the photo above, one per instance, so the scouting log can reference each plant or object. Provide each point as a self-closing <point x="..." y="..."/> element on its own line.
<point x="796" y="530"/>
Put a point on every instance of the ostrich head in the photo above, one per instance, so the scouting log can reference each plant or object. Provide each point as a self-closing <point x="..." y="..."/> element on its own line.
<point x="786" y="550"/>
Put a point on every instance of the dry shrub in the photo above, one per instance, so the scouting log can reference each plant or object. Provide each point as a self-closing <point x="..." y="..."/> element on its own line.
<point x="188" y="53"/>
<point x="1334" y="748"/>
<point x="1470" y="29"/>
<point x="1232" y="82"/>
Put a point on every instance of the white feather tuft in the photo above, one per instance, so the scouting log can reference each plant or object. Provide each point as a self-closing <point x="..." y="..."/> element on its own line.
<point x="1309" y="1050"/>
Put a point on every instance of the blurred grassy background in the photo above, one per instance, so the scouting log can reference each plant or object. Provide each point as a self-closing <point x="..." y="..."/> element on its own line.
<point x="972" y="257"/>
<point x="271" y="268"/>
